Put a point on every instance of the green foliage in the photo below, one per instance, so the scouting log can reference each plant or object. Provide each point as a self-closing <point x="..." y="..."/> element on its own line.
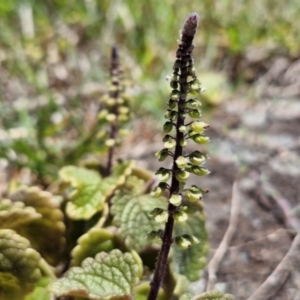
<point x="131" y="216"/>
<point x="94" y="241"/>
<point x="192" y="260"/>
<point x="19" y="265"/>
<point x="40" y="291"/>
<point x="50" y="240"/>
<point x="213" y="295"/>
<point x="94" y="233"/>
<point x="108" y="276"/>
<point x="90" y="191"/>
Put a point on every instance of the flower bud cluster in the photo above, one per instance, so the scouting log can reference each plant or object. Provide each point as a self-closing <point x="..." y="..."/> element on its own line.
<point x="115" y="112"/>
<point x="183" y="124"/>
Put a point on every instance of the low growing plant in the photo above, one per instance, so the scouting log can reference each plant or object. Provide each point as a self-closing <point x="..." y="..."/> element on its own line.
<point x="101" y="234"/>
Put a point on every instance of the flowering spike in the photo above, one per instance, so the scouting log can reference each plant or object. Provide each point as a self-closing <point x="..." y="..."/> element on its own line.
<point x="184" y="83"/>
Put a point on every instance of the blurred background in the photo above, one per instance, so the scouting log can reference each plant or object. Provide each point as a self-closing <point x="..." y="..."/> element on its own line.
<point x="54" y="69"/>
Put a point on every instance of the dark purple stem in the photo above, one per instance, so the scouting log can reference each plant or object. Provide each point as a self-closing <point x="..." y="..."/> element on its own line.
<point x="184" y="60"/>
<point x="113" y="94"/>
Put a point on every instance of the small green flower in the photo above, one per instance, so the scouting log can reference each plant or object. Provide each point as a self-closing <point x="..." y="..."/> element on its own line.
<point x="180" y="216"/>
<point x="182" y="242"/>
<point x="197" y="158"/>
<point x="198" y="126"/>
<point x="200" y="171"/>
<point x="181" y="162"/>
<point x="191" y="238"/>
<point x="168" y="126"/>
<point x="200" y="139"/>
<point x="163" y="174"/>
<point x="194" y="113"/>
<point x="169" y="142"/>
<point x="175" y="199"/>
<point x="110" y="142"/>
<point x="182" y="176"/>
<point x="193" y="196"/>
<point x="162" y="154"/>
<point x="111" y="118"/>
<point x="183" y="129"/>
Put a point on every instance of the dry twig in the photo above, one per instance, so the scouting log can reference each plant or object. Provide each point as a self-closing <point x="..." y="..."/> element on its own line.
<point x="220" y="252"/>
<point x="275" y="281"/>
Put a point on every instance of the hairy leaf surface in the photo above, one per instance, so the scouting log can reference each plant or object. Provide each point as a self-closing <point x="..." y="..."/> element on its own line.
<point x="19" y="266"/>
<point x="189" y="262"/>
<point x="105" y="277"/>
<point x="45" y="234"/>
<point x="132" y="219"/>
<point x="90" y="190"/>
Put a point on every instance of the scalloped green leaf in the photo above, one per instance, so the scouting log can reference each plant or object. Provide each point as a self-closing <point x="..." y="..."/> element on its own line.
<point x="143" y="289"/>
<point x="45" y="234"/>
<point x="94" y="241"/>
<point x="131" y="217"/>
<point x="213" y="295"/>
<point x="90" y="191"/>
<point x="191" y="261"/>
<point x="108" y="276"/>
<point x="16" y="214"/>
<point x="40" y="291"/>
<point x="19" y="266"/>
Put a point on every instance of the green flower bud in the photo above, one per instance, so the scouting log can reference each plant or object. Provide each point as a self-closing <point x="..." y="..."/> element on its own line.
<point x="198" y="126"/>
<point x="180" y="216"/>
<point x="163" y="174"/>
<point x="200" y="171"/>
<point x="173" y="115"/>
<point x="183" y="143"/>
<point x="168" y="126"/>
<point x="189" y="209"/>
<point x="172" y="104"/>
<point x="191" y="238"/>
<point x="200" y="139"/>
<point x="174" y="84"/>
<point x="195" y="86"/>
<point x="193" y="196"/>
<point x="181" y="162"/>
<point x="123" y="110"/>
<point x="182" y="242"/>
<point x="110" y="143"/>
<point x="123" y="118"/>
<point x="155" y="212"/>
<point x="175" y="95"/>
<point x="197" y="158"/>
<point x="169" y="142"/>
<point x="195" y="103"/>
<point x="102" y="114"/>
<point x="175" y="199"/>
<point x="162" y="154"/>
<point x="155" y="234"/>
<point x="183" y="129"/>
<point x="162" y="217"/>
<point x="157" y="192"/>
<point x="182" y="176"/>
<point x="111" y="117"/>
<point x="194" y="113"/>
